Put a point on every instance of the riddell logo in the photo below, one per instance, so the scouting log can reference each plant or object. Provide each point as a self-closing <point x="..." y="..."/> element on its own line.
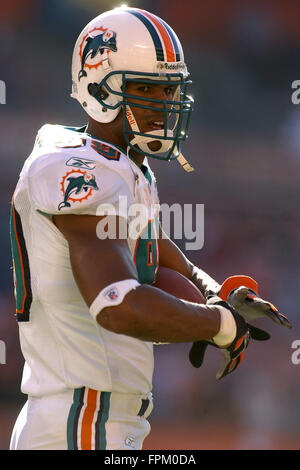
<point x="171" y="66"/>
<point x="130" y="117"/>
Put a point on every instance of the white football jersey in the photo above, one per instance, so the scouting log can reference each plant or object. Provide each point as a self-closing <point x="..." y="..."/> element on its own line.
<point x="70" y="172"/>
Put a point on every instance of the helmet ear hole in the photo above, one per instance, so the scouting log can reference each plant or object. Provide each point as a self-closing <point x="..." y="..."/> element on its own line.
<point x="97" y="92"/>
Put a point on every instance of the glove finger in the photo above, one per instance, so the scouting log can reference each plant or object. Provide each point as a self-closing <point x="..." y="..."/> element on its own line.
<point x="229" y="365"/>
<point x="197" y="353"/>
<point x="238" y="296"/>
<point x="257" y="333"/>
<point x="233" y="359"/>
<point x="284" y="321"/>
<point x="269" y="310"/>
<point x="278" y="317"/>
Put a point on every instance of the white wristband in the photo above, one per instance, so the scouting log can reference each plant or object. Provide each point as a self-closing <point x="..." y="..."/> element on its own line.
<point x="227" y="331"/>
<point x="112" y="295"/>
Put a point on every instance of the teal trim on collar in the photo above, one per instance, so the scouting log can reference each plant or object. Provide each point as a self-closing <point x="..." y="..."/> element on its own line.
<point x="75" y="129"/>
<point x="147" y="174"/>
<point x="143" y="169"/>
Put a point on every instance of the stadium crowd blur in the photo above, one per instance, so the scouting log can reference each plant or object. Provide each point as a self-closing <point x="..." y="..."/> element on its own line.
<point x="245" y="147"/>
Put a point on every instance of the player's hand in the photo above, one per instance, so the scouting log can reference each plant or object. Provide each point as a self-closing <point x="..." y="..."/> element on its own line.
<point x="233" y="354"/>
<point x="246" y="301"/>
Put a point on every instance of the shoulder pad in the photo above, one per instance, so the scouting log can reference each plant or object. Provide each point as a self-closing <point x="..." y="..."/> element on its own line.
<point x="75" y="185"/>
<point x="51" y="138"/>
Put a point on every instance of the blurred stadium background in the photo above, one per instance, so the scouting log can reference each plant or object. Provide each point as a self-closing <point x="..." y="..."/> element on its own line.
<point x="245" y="146"/>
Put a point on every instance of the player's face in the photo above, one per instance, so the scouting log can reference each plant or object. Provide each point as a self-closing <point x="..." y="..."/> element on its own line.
<point x="148" y="119"/>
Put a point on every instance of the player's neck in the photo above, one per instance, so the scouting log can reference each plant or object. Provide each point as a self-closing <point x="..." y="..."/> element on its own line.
<point x="109" y="134"/>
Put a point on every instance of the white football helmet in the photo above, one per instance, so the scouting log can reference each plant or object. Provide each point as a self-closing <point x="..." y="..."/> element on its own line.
<point x="124" y="45"/>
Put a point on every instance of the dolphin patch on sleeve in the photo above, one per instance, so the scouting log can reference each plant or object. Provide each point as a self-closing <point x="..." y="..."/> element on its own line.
<point x="76" y="186"/>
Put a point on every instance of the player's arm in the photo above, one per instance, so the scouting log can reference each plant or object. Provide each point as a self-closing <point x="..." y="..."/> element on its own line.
<point x="238" y="291"/>
<point x="172" y="257"/>
<point x="146" y="313"/>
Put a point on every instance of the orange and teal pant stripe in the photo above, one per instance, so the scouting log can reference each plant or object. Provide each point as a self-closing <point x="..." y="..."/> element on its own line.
<point x="87" y="419"/>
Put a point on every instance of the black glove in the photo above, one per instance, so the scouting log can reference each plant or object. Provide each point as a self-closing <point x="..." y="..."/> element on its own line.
<point x="233" y="355"/>
<point x="242" y="293"/>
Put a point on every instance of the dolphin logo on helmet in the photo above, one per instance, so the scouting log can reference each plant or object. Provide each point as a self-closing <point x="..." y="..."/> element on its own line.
<point x="99" y="43"/>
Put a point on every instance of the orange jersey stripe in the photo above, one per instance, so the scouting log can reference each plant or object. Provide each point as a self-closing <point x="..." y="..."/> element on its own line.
<point x="87" y="420"/>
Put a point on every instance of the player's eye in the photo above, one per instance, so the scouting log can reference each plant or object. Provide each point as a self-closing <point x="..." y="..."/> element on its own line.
<point x="170" y="90"/>
<point x="144" y="88"/>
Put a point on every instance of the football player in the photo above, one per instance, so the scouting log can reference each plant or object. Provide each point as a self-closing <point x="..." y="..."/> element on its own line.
<point x="87" y="311"/>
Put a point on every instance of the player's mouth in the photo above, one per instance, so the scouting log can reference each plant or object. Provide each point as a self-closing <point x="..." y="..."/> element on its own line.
<point x="155" y="126"/>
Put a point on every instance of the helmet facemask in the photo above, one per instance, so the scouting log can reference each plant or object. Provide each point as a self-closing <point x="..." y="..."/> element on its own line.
<point x="176" y="112"/>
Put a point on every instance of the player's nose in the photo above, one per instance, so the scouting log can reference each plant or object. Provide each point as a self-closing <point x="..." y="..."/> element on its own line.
<point x="161" y="95"/>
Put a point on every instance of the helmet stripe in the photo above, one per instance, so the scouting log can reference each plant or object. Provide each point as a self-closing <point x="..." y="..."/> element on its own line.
<point x="164" y="33"/>
<point x="152" y="30"/>
<point x="173" y="38"/>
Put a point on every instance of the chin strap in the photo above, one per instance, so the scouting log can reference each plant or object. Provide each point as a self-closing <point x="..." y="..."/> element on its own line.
<point x="143" y="141"/>
<point x="184" y="163"/>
